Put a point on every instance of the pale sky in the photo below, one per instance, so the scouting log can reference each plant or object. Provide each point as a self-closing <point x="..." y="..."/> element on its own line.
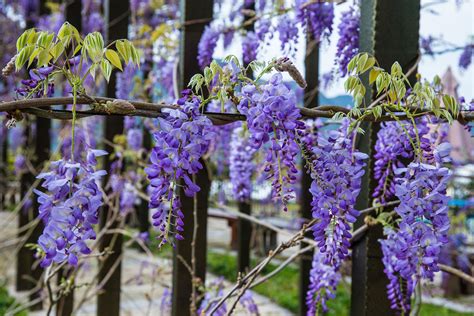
<point x="454" y="24"/>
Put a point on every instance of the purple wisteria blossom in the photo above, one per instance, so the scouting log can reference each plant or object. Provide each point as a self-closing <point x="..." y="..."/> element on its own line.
<point x="348" y="42"/>
<point x="336" y="171"/>
<point x="213" y="290"/>
<point x="272" y="117"/>
<point x="35" y="86"/>
<point x="183" y="139"/>
<point x="207" y="45"/>
<point x="250" y="45"/>
<point x="241" y="165"/>
<point x="465" y="59"/>
<point x="249" y="304"/>
<point x="92" y="19"/>
<point x="391" y="149"/>
<point x="323" y="279"/>
<point x="69" y="208"/>
<point x="316" y="17"/>
<point x="412" y="252"/>
<point x="262" y="29"/>
<point x="287" y="33"/>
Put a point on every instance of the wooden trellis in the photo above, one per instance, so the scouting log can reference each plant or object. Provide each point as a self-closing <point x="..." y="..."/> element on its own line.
<point x="389" y="31"/>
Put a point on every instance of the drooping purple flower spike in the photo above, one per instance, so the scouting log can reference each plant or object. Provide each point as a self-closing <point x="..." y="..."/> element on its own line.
<point x="69" y="208"/>
<point x="183" y="139"/>
<point x="207" y="45"/>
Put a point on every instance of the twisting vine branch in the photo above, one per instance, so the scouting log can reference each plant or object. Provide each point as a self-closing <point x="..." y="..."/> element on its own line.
<point x="147" y="109"/>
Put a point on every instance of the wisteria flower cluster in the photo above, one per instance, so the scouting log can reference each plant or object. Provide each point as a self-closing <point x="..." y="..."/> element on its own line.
<point x="241" y="165"/>
<point x="69" y="208"/>
<point x="37" y="86"/>
<point x="348" y="42"/>
<point x="412" y="252"/>
<point x="323" y="280"/>
<point x="392" y="148"/>
<point x="336" y="171"/>
<point x="272" y="116"/>
<point x="183" y="138"/>
<point x="318" y="18"/>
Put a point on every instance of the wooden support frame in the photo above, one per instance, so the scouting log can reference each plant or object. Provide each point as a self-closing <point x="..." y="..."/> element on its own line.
<point x="188" y="66"/>
<point x="311" y="99"/>
<point x="244" y="228"/>
<point x="29" y="272"/>
<point x="389" y="31"/>
<point x="117" y="18"/>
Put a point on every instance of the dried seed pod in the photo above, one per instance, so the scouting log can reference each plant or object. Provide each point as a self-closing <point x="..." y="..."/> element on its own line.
<point x="10" y="67"/>
<point x="119" y="106"/>
<point x="284" y="64"/>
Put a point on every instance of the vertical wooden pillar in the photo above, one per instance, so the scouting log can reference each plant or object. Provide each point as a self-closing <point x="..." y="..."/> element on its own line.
<point x="188" y="66"/>
<point x="117" y="18"/>
<point x="389" y="30"/>
<point x="244" y="227"/>
<point x="73" y="11"/>
<point x="65" y="304"/>
<point x="3" y="168"/>
<point x="29" y="274"/>
<point x="143" y="211"/>
<point x="311" y="99"/>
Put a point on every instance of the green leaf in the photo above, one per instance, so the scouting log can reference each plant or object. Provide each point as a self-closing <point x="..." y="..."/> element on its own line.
<point x="114" y="58"/>
<point x="44" y="57"/>
<point x="135" y="55"/>
<point x="208" y="75"/>
<point x="396" y="69"/>
<point x="23" y="56"/>
<point x="22" y="40"/>
<point x="106" y="69"/>
<point x="369" y="63"/>
<point x="373" y="75"/>
<point x="122" y="50"/>
<point x="33" y="56"/>
<point x="57" y="50"/>
<point x="361" y="62"/>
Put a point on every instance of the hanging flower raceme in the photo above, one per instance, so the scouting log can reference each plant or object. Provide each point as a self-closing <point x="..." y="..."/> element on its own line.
<point x="336" y="171"/>
<point x="207" y="45"/>
<point x="391" y="148"/>
<point x="69" y="208"/>
<point x="272" y="117"/>
<point x="287" y="33"/>
<point x="250" y="45"/>
<point x="215" y="289"/>
<point x="241" y="165"/>
<point x="37" y="86"/>
<point x="183" y="138"/>
<point x="316" y="17"/>
<point x="323" y="280"/>
<point x="412" y="252"/>
<point x="465" y="59"/>
<point x="348" y="42"/>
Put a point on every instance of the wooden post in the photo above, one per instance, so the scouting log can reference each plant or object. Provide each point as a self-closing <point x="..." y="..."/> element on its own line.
<point x="188" y="66"/>
<point x="311" y="99"/>
<point x="143" y="211"/>
<point x="3" y="168"/>
<point x="117" y="18"/>
<point x="65" y="303"/>
<point x="389" y="31"/>
<point x="28" y="272"/>
<point x="244" y="227"/>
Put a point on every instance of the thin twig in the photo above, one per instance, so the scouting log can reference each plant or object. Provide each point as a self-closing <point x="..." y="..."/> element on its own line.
<point x="466" y="277"/>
